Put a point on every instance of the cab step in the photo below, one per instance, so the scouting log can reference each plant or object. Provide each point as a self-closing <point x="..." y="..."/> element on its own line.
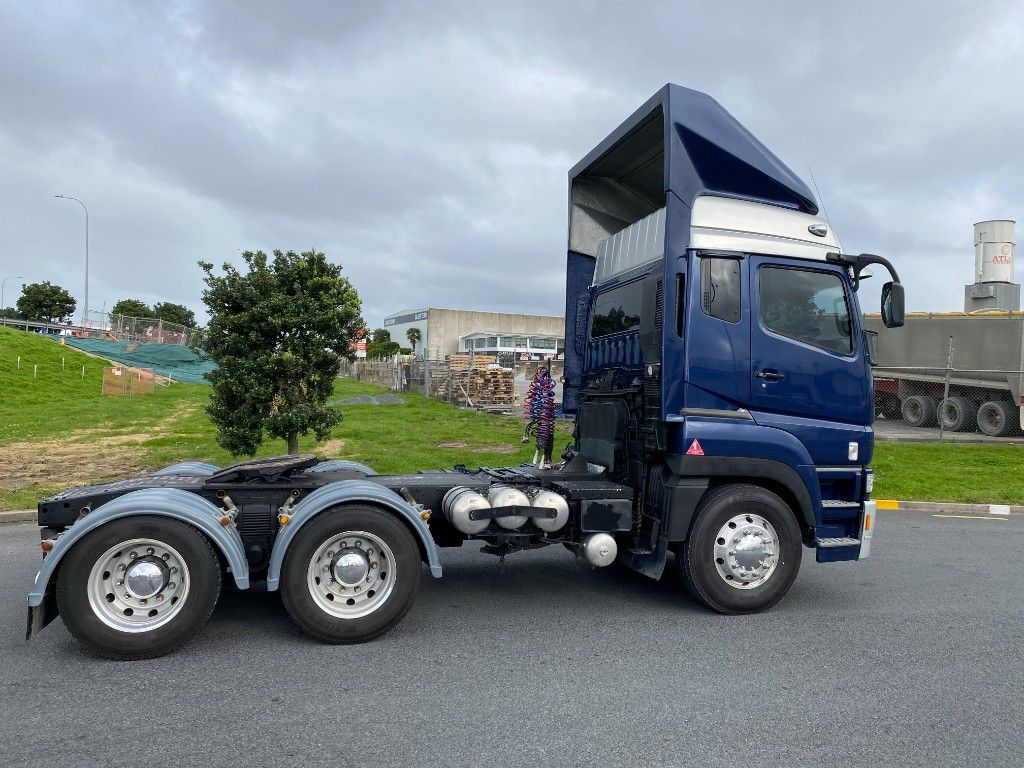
<point x="840" y="504"/>
<point x="838" y="541"/>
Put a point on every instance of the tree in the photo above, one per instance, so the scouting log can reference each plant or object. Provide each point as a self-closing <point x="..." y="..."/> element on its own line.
<point x="414" y="336"/>
<point x="10" y="313"/>
<point x="381" y="345"/>
<point x="132" y="308"/>
<point x="277" y="333"/>
<point x="174" y="313"/>
<point x="46" y="303"/>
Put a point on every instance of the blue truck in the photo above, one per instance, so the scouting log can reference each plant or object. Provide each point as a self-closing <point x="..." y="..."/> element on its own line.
<point x="720" y="380"/>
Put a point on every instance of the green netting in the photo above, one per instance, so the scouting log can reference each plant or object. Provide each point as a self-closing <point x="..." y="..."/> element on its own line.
<point x="174" y="360"/>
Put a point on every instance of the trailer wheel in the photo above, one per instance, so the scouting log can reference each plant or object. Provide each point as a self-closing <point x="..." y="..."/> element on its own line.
<point x="138" y="587"/>
<point x="743" y="552"/>
<point x="350" y="574"/>
<point x="998" y="418"/>
<point x="920" y="410"/>
<point x="958" y="414"/>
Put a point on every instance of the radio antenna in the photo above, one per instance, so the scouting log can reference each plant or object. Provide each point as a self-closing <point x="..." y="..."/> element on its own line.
<point x="822" y="201"/>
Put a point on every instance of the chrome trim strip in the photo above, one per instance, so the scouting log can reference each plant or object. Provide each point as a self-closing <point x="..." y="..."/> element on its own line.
<point x="717" y="413"/>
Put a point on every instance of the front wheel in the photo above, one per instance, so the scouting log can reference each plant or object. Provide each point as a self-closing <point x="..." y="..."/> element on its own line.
<point x="743" y="552"/>
<point x="350" y="574"/>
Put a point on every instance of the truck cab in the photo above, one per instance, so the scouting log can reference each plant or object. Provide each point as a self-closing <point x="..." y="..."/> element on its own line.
<point x="713" y="332"/>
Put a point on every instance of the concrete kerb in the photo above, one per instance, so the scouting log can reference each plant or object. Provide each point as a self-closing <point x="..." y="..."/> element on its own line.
<point x="18" y="516"/>
<point x="950" y="508"/>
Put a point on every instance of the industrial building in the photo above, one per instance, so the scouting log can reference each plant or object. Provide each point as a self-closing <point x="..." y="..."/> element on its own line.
<point x="451" y="331"/>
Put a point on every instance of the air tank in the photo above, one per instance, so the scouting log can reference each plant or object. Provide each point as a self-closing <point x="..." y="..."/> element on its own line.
<point x="600" y="549"/>
<point x="550" y="500"/>
<point x="458" y="503"/>
<point x="993" y="251"/>
<point x="507" y="496"/>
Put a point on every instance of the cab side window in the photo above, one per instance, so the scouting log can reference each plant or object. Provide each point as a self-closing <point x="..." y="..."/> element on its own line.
<point x="807" y="306"/>
<point x="720" y="288"/>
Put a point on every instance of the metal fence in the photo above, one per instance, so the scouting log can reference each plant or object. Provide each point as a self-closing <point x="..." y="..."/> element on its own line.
<point x="474" y="381"/>
<point x="102" y="325"/>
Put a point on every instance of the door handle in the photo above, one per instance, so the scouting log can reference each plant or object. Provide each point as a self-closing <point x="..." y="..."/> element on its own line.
<point x="769" y="374"/>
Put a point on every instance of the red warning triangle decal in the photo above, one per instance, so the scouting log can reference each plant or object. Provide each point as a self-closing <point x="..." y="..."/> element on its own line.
<point x="694" y="449"/>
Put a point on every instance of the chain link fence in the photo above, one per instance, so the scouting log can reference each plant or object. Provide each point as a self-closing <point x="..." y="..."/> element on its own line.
<point x="951" y="401"/>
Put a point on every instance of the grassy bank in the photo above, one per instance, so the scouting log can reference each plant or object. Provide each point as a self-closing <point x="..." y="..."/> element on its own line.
<point x="57" y="430"/>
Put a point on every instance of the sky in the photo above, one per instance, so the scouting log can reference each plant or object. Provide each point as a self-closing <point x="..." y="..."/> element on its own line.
<point x="425" y="145"/>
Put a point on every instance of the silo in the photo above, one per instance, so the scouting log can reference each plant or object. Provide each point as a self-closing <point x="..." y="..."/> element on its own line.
<point x="993" y="287"/>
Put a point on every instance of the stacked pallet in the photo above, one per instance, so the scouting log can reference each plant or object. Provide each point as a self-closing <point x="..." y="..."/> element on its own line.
<point x="477" y="381"/>
<point x="493" y="386"/>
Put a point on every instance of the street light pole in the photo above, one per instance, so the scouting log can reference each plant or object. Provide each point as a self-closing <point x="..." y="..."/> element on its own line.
<point x="3" y="285"/>
<point x="85" y="308"/>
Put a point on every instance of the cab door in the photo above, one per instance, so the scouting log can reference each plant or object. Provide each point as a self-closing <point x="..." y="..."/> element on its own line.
<point x="807" y="369"/>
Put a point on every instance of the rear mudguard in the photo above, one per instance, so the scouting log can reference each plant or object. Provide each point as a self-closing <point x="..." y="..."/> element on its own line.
<point x="347" y="492"/>
<point x="165" y="502"/>
<point x="334" y="465"/>
<point x="196" y="468"/>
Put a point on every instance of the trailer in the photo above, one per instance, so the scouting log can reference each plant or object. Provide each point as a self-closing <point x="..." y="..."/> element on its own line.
<point x="718" y="373"/>
<point x="983" y="390"/>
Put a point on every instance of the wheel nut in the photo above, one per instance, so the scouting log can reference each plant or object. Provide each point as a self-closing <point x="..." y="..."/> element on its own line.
<point x="330" y="553"/>
<point x="144" y="601"/>
<point x="159" y="598"/>
<point x="120" y="582"/>
<point x="121" y="567"/>
<point x="174" y="569"/>
<point x="356" y="589"/>
<point x="132" y="555"/>
<point x="166" y="555"/>
<point x="373" y="565"/>
<point x="150" y="551"/>
<point x="172" y="585"/>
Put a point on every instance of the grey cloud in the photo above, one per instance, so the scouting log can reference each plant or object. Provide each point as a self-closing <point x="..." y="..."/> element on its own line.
<point x="425" y="145"/>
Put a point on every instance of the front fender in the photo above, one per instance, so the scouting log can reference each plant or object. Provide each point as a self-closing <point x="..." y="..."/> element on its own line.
<point x="344" y="492"/>
<point x="166" y="502"/>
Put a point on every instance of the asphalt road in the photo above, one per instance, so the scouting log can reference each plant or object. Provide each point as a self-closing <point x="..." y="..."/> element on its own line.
<point x="911" y="658"/>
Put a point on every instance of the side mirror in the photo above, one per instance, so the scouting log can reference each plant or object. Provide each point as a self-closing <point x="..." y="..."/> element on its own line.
<point x="892" y="305"/>
<point x="871" y="346"/>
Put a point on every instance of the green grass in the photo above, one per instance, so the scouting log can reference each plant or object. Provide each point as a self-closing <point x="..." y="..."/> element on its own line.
<point x="57" y="430"/>
<point x="971" y="473"/>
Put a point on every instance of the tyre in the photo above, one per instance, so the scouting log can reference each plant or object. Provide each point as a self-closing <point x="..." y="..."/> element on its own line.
<point x="350" y="574"/>
<point x="998" y="418"/>
<point x="958" y="414"/>
<point x="138" y="587"/>
<point x="743" y="552"/>
<point x="920" y="410"/>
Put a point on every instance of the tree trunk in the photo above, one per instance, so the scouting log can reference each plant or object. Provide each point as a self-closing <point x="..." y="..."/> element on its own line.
<point x="293" y="443"/>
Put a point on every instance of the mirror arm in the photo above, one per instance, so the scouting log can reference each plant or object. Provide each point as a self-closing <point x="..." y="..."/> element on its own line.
<point x="860" y="261"/>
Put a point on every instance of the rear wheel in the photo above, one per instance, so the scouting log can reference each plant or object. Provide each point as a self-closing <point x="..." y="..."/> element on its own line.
<point x="920" y="410"/>
<point x="958" y="414"/>
<point x="138" y="587"/>
<point x="743" y="552"/>
<point x="350" y="574"/>
<point x="998" y="418"/>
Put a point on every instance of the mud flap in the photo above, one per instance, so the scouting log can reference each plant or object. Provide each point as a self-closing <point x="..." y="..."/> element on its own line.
<point x="41" y="615"/>
<point x="650" y="564"/>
